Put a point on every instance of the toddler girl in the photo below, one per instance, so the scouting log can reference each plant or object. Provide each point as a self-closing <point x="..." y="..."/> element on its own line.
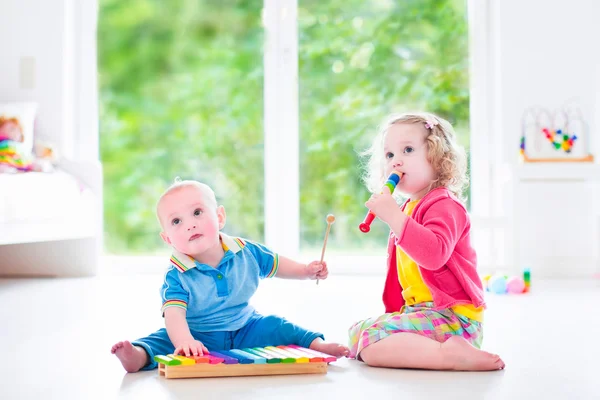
<point x="433" y="295"/>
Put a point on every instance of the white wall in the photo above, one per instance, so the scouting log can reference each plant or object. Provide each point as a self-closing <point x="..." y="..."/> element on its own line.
<point x="545" y="57"/>
<point x="537" y="54"/>
<point x="60" y="36"/>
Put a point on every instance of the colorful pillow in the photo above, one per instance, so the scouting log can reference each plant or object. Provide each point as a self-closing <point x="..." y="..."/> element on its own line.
<point x="17" y="123"/>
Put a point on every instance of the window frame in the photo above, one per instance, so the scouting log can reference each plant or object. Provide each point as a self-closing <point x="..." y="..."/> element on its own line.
<point x="281" y="115"/>
<point x="282" y="218"/>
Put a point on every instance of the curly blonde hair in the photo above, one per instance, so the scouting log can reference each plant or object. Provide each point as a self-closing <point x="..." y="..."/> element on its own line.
<point x="447" y="158"/>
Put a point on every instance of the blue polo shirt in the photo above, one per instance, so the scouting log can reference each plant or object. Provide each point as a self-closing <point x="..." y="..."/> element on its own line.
<point x="216" y="299"/>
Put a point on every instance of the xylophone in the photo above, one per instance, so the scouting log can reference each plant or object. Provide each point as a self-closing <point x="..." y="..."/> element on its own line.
<point x="270" y="360"/>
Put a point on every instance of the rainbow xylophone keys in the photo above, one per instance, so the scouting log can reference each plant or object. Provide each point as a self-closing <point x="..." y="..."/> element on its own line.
<point x="270" y="360"/>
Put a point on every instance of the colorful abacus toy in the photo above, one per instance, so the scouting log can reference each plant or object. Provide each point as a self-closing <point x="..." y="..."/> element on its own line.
<point x="280" y="360"/>
<point x="560" y="135"/>
<point x="560" y="140"/>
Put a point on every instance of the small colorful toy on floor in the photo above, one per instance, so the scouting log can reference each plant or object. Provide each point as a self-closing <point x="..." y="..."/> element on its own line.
<point x="502" y="284"/>
<point x="527" y="279"/>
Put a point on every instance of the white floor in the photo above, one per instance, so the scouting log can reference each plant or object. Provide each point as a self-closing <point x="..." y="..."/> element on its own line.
<point x="56" y="335"/>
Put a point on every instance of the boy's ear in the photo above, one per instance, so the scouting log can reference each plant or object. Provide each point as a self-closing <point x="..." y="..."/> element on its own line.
<point x="165" y="238"/>
<point x="221" y="216"/>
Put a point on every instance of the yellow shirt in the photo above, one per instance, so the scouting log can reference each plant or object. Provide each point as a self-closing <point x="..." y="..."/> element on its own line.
<point x="415" y="290"/>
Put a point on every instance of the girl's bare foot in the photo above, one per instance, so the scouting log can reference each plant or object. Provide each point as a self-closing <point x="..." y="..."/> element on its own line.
<point x="132" y="357"/>
<point x="460" y="355"/>
<point x="334" y="349"/>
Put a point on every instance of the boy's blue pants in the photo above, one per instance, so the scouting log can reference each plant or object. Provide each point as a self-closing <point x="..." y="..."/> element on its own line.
<point x="260" y="331"/>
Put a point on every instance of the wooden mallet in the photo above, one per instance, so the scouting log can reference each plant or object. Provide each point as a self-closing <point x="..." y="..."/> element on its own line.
<point x="330" y="220"/>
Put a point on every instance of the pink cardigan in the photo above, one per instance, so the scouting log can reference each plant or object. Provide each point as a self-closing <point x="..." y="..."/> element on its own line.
<point x="437" y="238"/>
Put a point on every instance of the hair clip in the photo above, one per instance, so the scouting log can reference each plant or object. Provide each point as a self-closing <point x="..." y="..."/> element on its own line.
<point x="431" y="124"/>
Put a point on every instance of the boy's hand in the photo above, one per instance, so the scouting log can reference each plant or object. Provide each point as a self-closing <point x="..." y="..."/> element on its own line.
<point x="190" y="347"/>
<point x="317" y="270"/>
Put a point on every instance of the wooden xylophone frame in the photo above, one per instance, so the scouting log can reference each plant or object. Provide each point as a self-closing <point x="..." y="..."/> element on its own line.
<point x="221" y="370"/>
<point x="307" y="363"/>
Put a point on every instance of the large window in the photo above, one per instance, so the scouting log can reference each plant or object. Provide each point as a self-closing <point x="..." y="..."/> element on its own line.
<point x="359" y="61"/>
<point x="181" y="86"/>
<point x="182" y="92"/>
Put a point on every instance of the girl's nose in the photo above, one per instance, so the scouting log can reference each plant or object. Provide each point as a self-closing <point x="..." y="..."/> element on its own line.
<point x="192" y="227"/>
<point x="398" y="163"/>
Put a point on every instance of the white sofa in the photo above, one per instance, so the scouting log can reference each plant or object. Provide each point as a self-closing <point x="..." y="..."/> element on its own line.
<point x="51" y="223"/>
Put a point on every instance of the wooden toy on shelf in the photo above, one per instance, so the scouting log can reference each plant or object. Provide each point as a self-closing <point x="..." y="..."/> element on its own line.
<point x="560" y="136"/>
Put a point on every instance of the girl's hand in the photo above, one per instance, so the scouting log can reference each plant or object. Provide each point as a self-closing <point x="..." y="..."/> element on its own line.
<point x="383" y="206"/>
<point x="189" y="347"/>
<point x="317" y="270"/>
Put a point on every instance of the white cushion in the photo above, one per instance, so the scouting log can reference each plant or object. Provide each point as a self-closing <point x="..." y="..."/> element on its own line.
<point x="37" y="206"/>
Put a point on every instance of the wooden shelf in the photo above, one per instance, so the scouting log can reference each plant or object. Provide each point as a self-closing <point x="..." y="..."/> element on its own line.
<point x="551" y="171"/>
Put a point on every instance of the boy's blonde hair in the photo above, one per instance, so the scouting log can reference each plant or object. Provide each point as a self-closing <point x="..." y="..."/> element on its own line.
<point x="180" y="184"/>
<point x="443" y="153"/>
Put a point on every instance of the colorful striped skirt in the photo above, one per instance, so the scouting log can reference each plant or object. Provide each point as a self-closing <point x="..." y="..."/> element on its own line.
<point x="421" y="319"/>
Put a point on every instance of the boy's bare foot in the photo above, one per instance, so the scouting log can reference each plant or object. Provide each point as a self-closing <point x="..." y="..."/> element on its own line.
<point x="462" y="356"/>
<point x="333" y="349"/>
<point x="132" y="357"/>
